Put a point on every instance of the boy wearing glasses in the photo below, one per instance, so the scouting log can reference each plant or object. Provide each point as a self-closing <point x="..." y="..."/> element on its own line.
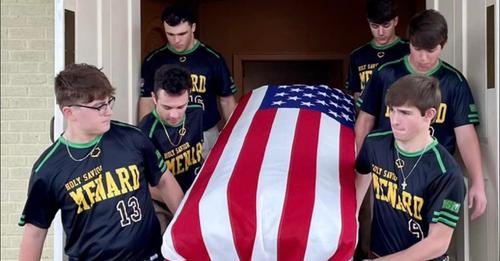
<point x="97" y="173"/>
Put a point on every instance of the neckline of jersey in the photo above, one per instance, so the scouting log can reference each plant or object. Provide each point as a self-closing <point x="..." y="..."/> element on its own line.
<point x="157" y="116"/>
<point x="195" y="46"/>
<point x="385" y="46"/>
<point x="81" y="145"/>
<point x="412" y="71"/>
<point x="416" y="153"/>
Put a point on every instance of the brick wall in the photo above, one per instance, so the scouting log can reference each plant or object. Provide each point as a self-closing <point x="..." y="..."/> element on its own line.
<point x="27" y="62"/>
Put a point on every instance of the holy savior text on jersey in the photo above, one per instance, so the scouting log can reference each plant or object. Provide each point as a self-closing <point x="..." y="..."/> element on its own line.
<point x="106" y="208"/>
<point x="209" y="74"/>
<point x="183" y="159"/>
<point x="434" y="192"/>
<point x="457" y="106"/>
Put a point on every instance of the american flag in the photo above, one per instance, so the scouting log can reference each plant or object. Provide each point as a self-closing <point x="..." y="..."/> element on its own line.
<point x="278" y="184"/>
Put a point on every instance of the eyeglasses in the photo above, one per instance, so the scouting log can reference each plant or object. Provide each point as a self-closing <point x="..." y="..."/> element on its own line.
<point x="102" y="108"/>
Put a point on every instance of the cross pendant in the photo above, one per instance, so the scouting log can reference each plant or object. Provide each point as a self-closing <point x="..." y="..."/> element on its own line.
<point x="403" y="185"/>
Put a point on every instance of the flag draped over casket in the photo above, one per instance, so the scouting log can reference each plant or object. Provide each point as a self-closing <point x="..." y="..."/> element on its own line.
<point x="278" y="184"/>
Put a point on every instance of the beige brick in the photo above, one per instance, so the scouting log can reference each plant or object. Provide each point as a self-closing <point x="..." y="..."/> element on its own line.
<point x="26" y="33"/>
<point x="5" y="56"/>
<point x="28" y="126"/>
<point x="27" y="149"/>
<point x="45" y="114"/>
<point x="27" y="10"/>
<point x="21" y="171"/>
<point x="4" y="31"/>
<point x="5" y="79"/>
<point x="12" y="161"/>
<point x="10" y="138"/>
<point x="31" y="138"/>
<point x="14" y="91"/>
<point x="14" y="185"/>
<point x="5" y="149"/>
<point x="13" y="21"/>
<point x="28" y="67"/>
<point x="41" y="91"/>
<point x="31" y="78"/>
<point x="14" y="114"/>
<point x="40" y="21"/>
<point x="40" y="44"/>
<point x="27" y="56"/>
<point x="19" y="195"/>
<point x="5" y="126"/>
<point x="47" y="67"/>
<point x="13" y="44"/>
<point x="5" y="197"/>
<point x="8" y="68"/>
<point x="27" y="102"/>
<point x="5" y="9"/>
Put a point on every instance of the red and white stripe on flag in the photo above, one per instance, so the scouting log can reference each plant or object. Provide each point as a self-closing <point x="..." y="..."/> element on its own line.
<point x="278" y="184"/>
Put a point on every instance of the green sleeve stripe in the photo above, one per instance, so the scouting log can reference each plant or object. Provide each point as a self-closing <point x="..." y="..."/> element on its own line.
<point x="48" y="155"/>
<point x="154" y="53"/>
<point x="446" y="215"/>
<point x="387" y="63"/>
<point x="473" y="115"/>
<point x="21" y="222"/>
<point x="444" y="221"/>
<point x="439" y="160"/>
<point x="164" y="168"/>
<point x="359" y="102"/>
<point x="195" y="106"/>
<point x="153" y="128"/>
<point x="474" y="120"/>
<point x="161" y="165"/>
<point x="453" y="70"/>
<point x="210" y="50"/>
<point x="375" y="134"/>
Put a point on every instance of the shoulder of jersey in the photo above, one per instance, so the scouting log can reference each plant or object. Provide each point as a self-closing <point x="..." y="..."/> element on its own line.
<point x="379" y="134"/>
<point x="121" y="126"/>
<point x="361" y="48"/>
<point x="146" y="123"/>
<point x="390" y="64"/>
<point x="211" y="51"/>
<point x="155" y="53"/>
<point x="444" y="158"/>
<point x="446" y="66"/>
<point x="46" y="156"/>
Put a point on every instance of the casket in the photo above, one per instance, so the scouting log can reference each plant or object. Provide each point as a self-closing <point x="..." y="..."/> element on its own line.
<point x="278" y="184"/>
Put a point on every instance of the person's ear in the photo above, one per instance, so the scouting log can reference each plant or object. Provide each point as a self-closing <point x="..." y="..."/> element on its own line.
<point x="153" y="96"/>
<point x="430" y="114"/>
<point x="396" y="19"/>
<point x="193" y="27"/>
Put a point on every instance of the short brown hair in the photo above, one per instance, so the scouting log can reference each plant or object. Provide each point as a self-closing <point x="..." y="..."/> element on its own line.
<point x="415" y="90"/>
<point x="81" y="83"/>
<point x="427" y="29"/>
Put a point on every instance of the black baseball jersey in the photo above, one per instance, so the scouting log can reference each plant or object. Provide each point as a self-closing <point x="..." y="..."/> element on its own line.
<point x="209" y="74"/>
<point x="434" y="192"/>
<point x="106" y="208"/>
<point x="183" y="160"/>
<point x="365" y="59"/>
<point x="457" y="106"/>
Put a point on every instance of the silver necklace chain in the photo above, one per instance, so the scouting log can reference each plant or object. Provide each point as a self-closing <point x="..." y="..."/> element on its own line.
<point x="95" y="148"/>
<point x="400" y="165"/>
